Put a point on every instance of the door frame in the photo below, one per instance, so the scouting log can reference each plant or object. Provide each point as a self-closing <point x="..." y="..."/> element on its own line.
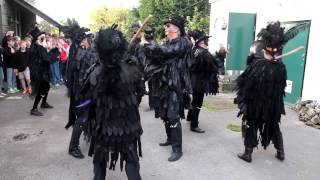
<point x="305" y="57"/>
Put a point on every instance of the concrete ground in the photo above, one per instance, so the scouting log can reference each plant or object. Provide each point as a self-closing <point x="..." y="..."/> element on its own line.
<point x="35" y="148"/>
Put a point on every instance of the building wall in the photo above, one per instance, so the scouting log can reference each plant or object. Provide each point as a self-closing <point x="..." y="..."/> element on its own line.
<point x="9" y="17"/>
<point x="282" y="10"/>
<point x="8" y="14"/>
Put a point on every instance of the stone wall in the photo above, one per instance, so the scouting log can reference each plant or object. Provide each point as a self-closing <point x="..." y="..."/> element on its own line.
<point x="309" y="113"/>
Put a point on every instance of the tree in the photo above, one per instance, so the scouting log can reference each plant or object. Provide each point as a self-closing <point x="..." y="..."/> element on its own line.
<point x="105" y="17"/>
<point x="196" y="12"/>
<point x="47" y="27"/>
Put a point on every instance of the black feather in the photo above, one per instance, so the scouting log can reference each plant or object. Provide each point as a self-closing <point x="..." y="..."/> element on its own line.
<point x="293" y="31"/>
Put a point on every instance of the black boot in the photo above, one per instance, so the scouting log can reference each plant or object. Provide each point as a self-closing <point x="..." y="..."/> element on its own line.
<point x="197" y="130"/>
<point x="168" y="132"/>
<point x="176" y="140"/>
<point x="280" y="155"/>
<point x="278" y="143"/>
<point x="46" y="105"/>
<point x="76" y="152"/>
<point x="246" y="156"/>
<point x="175" y="155"/>
<point x="36" y="112"/>
<point x="167" y="143"/>
<point x="132" y="171"/>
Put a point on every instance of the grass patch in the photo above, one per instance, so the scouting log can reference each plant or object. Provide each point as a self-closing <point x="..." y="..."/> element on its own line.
<point x="209" y="106"/>
<point x="234" y="127"/>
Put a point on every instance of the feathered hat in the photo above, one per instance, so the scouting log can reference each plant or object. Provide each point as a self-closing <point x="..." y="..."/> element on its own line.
<point x="75" y="32"/>
<point x="273" y="37"/>
<point x="35" y="33"/>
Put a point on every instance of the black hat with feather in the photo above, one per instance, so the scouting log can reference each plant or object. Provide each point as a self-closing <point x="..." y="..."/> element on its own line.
<point x="273" y="37"/>
<point x="35" y="33"/>
<point x="75" y="32"/>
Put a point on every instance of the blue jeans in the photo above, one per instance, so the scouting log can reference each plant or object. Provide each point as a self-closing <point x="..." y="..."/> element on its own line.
<point x="1" y="79"/>
<point x="11" y="78"/>
<point x="55" y="71"/>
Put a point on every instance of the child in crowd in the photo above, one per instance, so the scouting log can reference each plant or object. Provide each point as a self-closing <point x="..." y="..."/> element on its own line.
<point x="22" y="65"/>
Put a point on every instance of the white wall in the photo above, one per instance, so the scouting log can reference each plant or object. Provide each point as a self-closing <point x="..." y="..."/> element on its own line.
<point x="282" y="10"/>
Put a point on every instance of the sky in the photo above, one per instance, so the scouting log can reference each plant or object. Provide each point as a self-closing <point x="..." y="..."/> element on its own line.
<point x="79" y="9"/>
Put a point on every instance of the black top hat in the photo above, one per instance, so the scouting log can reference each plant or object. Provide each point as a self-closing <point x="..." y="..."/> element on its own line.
<point x="35" y="33"/>
<point x="149" y="32"/>
<point x="199" y="36"/>
<point x="75" y="32"/>
<point x="178" y="21"/>
<point x="135" y="27"/>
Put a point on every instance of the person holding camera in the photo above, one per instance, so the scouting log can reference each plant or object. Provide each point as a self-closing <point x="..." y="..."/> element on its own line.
<point x="40" y="71"/>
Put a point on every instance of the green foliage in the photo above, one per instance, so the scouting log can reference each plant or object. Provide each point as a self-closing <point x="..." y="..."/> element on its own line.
<point x="197" y="13"/>
<point x="47" y="27"/>
<point x="105" y="17"/>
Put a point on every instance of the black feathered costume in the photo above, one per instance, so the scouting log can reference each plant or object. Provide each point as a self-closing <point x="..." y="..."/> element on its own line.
<point x="204" y="79"/>
<point x="260" y="92"/>
<point x="138" y="58"/>
<point x="80" y="59"/>
<point x="39" y="71"/>
<point x="171" y="82"/>
<point x="112" y="117"/>
<point x="149" y="35"/>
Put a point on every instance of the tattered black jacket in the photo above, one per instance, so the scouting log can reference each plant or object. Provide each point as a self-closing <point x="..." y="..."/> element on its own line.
<point x="112" y="118"/>
<point x="204" y="72"/>
<point x="260" y="92"/>
<point x="172" y="78"/>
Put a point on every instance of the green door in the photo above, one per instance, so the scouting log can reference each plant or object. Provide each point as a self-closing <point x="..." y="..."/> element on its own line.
<point x="241" y="33"/>
<point x="295" y="63"/>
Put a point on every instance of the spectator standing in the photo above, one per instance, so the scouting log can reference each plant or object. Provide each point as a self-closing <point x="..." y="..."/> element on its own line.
<point x="22" y="65"/>
<point x="2" y="95"/>
<point x="9" y="63"/>
<point x="54" y="56"/>
<point x="63" y="49"/>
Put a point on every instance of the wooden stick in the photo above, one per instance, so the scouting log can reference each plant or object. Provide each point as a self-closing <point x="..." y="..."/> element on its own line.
<point x="290" y="52"/>
<point x="145" y="22"/>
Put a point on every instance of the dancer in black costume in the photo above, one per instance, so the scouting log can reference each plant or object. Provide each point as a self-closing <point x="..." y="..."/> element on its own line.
<point x="204" y="80"/>
<point x="149" y="35"/>
<point x="39" y="71"/>
<point x="138" y="57"/>
<point x="260" y="91"/>
<point x="112" y="120"/>
<point x="171" y="62"/>
<point x="81" y="57"/>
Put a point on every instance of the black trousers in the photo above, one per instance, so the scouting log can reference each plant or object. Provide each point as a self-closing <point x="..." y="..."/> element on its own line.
<point x="174" y="134"/>
<point x="251" y="139"/>
<point x="132" y="166"/>
<point x="77" y="130"/>
<point x="42" y="93"/>
<point x="193" y="114"/>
